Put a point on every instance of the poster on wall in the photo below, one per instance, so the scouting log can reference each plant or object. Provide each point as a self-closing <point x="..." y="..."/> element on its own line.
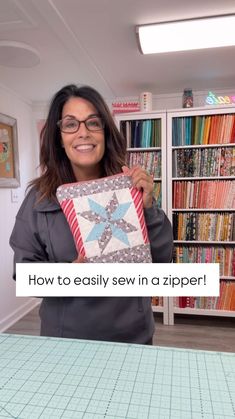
<point x="9" y="157"/>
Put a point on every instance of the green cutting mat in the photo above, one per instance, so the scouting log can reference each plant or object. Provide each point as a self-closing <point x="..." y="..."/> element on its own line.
<point x="65" y="378"/>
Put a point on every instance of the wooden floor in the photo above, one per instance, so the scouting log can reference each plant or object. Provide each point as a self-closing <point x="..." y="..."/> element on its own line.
<point x="207" y="333"/>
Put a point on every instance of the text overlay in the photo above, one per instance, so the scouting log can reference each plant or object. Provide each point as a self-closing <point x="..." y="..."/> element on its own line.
<point x="116" y="279"/>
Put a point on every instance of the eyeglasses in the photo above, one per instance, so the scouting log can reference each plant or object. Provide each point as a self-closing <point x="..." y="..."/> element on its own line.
<point x="72" y="125"/>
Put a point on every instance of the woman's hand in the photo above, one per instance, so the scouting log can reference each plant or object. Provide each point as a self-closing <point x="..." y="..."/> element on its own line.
<point x="80" y="259"/>
<point x="141" y="180"/>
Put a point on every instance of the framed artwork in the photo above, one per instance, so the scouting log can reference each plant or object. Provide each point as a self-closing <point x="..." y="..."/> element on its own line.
<point x="9" y="157"/>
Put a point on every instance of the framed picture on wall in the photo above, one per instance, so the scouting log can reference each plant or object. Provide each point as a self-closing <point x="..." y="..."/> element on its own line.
<point x="9" y="157"/>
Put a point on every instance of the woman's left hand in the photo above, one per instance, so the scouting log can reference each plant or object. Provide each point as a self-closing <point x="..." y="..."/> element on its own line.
<point x="141" y="180"/>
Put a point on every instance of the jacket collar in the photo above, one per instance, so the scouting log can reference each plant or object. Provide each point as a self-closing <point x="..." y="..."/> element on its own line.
<point x="47" y="205"/>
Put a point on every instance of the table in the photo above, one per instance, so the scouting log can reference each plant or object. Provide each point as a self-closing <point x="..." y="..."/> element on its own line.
<point x="66" y="378"/>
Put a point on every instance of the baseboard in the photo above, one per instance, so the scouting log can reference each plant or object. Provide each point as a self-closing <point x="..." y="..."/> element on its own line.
<point x="18" y="314"/>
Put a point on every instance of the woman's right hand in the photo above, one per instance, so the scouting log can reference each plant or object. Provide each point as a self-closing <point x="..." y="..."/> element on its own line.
<point x="80" y="259"/>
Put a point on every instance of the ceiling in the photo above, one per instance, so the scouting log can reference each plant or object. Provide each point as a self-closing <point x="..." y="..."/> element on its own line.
<point x="94" y="42"/>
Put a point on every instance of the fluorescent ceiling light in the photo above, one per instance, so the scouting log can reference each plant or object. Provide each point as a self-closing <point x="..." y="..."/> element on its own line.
<point x="211" y="32"/>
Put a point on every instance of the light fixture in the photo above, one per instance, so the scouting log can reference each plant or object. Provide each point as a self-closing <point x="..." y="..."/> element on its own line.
<point x="18" y="54"/>
<point x="191" y="34"/>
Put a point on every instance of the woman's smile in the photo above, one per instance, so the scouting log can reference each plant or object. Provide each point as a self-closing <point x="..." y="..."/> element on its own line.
<point x="84" y="148"/>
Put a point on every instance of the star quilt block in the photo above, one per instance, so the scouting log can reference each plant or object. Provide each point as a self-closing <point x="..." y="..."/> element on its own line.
<point x="106" y="219"/>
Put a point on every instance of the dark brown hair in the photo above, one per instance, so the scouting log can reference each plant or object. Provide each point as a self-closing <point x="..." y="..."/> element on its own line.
<point x="54" y="163"/>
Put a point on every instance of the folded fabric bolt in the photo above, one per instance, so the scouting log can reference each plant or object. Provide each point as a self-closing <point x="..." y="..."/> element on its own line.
<point x="106" y="219"/>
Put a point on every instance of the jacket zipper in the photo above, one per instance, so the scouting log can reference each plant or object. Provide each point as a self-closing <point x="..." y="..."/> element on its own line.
<point x="140" y="304"/>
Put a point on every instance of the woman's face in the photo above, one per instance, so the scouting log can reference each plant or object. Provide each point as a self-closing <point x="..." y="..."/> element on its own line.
<point x="84" y="148"/>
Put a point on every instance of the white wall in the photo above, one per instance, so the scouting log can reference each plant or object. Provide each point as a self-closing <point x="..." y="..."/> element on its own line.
<point x="174" y="100"/>
<point x="12" y="308"/>
<point x="160" y="102"/>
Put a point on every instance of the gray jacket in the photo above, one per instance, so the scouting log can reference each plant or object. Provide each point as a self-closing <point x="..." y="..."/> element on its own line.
<point x="41" y="234"/>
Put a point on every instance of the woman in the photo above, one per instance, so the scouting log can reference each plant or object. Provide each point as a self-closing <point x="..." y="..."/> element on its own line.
<point x="79" y="142"/>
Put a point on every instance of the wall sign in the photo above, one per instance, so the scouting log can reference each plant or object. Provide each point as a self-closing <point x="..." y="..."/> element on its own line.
<point x="212" y="99"/>
<point x="122" y="107"/>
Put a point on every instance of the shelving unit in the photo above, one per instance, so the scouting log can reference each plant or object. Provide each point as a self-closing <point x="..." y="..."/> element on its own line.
<point x="146" y="146"/>
<point x="201" y="199"/>
<point x="193" y="166"/>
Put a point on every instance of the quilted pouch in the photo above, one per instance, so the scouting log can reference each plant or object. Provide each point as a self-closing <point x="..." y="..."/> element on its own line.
<point x="106" y="219"/>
